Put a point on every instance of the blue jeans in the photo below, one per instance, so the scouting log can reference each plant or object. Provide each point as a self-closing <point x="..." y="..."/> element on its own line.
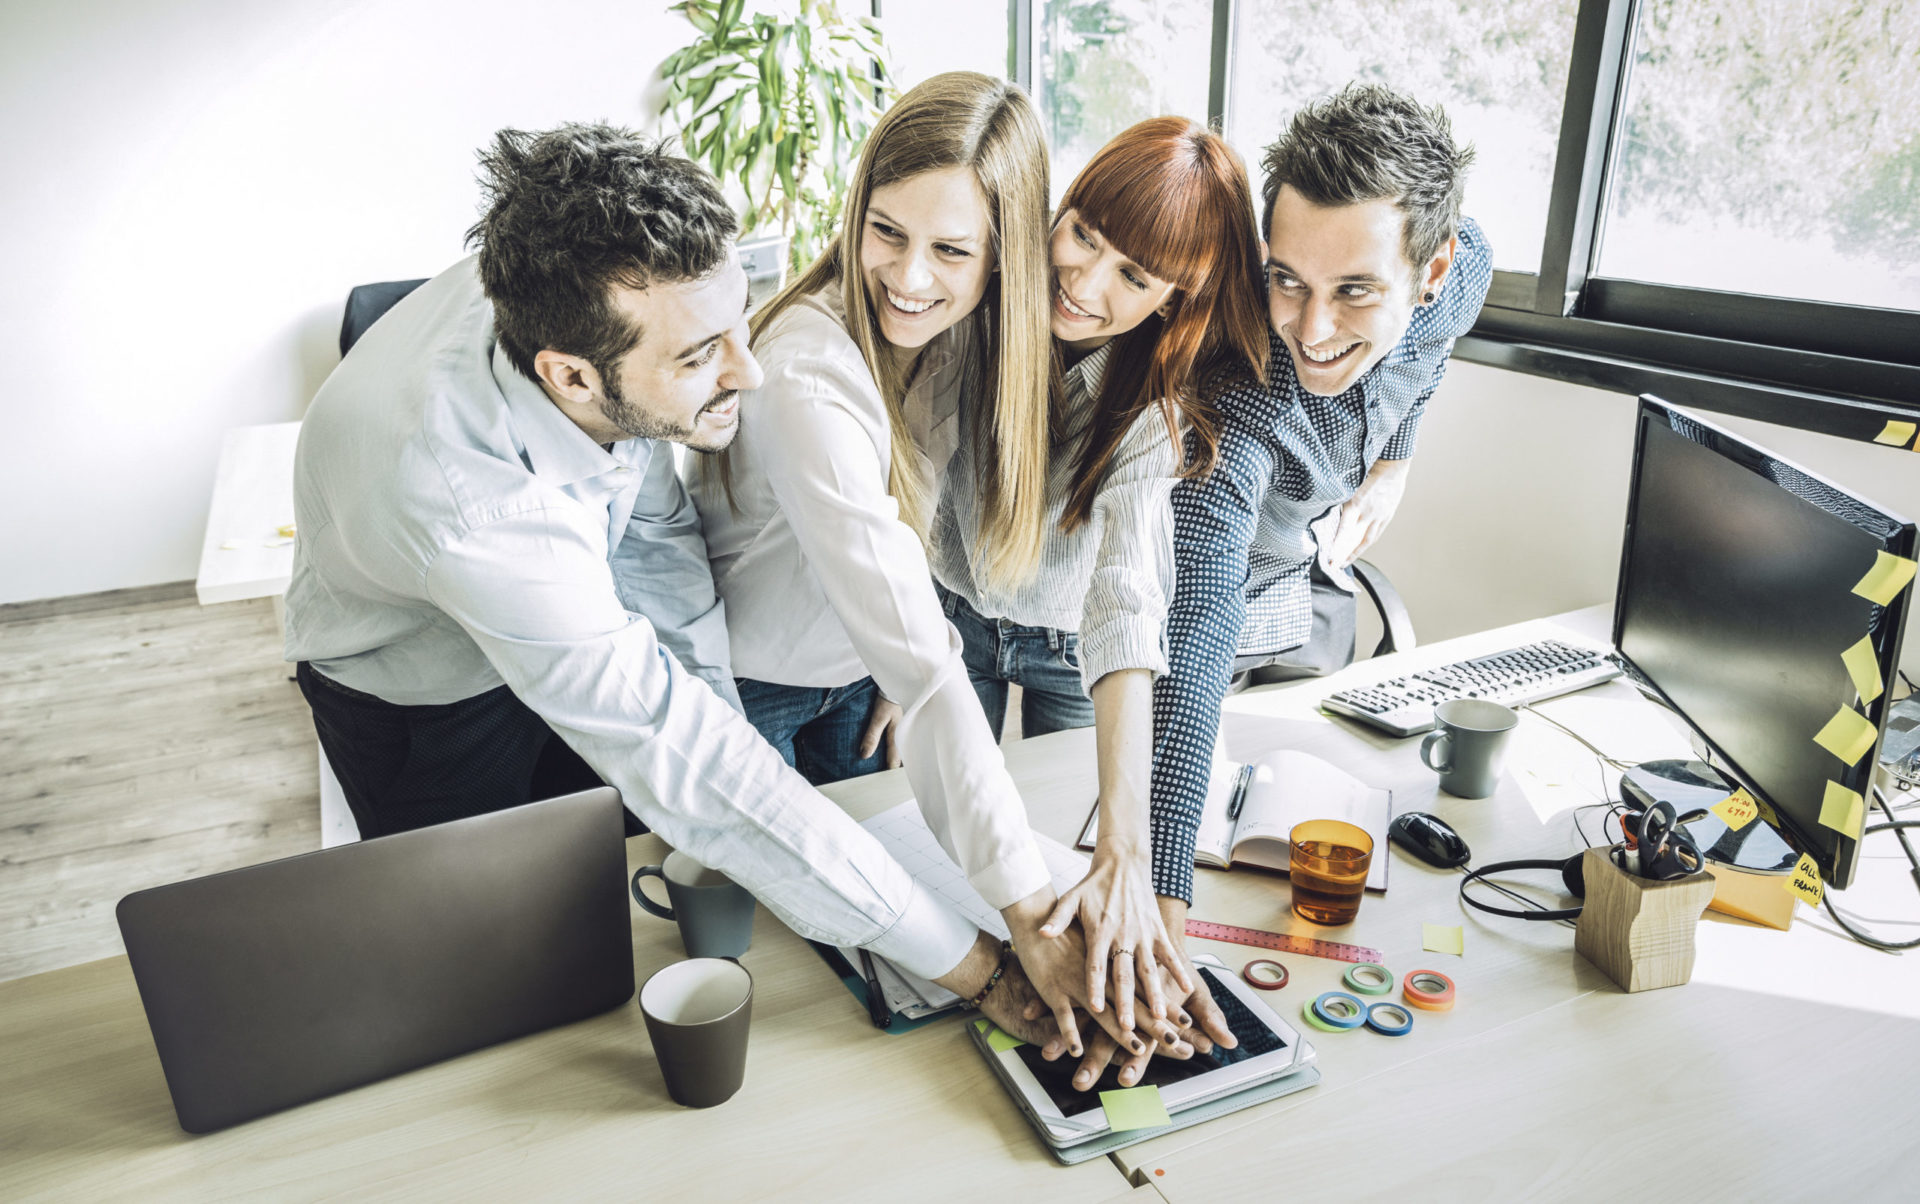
<point x="1043" y="661"/>
<point x="816" y="730"/>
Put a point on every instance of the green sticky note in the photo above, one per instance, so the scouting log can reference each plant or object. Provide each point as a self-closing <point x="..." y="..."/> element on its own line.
<point x="980" y="1026"/>
<point x="1847" y="735"/>
<point x="1134" y="1108"/>
<point x="1443" y="938"/>
<point x="1863" y="665"/>
<point x="1000" y="1042"/>
<point x="1842" y="810"/>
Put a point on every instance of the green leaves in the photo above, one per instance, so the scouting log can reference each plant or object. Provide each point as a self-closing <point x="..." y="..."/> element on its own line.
<point x="778" y="108"/>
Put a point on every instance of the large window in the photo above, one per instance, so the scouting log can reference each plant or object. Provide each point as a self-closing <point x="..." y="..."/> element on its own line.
<point x="1499" y="69"/>
<point x="1772" y="147"/>
<point x="1714" y="200"/>
<point x="1104" y="64"/>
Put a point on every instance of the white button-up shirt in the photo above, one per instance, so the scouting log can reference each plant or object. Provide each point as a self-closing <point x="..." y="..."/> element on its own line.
<point x="825" y="585"/>
<point x="458" y="532"/>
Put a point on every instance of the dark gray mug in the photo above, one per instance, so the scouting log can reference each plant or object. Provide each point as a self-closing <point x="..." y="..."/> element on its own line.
<point x="714" y="912"/>
<point x="1468" y="745"/>
<point x="697" y="1014"/>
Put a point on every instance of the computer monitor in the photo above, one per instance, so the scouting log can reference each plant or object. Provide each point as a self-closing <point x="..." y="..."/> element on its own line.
<point x="1736" y="600"/>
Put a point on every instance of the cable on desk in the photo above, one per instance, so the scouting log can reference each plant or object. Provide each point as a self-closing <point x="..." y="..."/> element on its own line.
<point x="1899" y="828"/>
<point x="1611" y="762"/>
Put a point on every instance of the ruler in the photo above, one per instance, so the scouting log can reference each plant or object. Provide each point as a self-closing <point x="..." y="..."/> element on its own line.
<point x="1208" y="931"/>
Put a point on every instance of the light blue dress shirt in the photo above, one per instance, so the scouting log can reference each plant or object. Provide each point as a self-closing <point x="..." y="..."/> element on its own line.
<point x="458" y="532"/>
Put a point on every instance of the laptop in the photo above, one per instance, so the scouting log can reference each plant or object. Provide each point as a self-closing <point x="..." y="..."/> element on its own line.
<point x="278" y="984"/>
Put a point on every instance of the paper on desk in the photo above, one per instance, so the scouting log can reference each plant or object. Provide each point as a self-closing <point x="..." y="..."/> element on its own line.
<point x="1443" y="938"/>
<point x="1556" y="772"/>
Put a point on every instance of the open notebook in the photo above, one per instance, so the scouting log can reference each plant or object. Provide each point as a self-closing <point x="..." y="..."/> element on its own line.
<point x="903" y="833"/>
<point x="1250" y="809"/>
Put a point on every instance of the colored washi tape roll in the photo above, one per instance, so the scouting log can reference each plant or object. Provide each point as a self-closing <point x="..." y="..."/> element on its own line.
<point x="1265" y="973"/>
<point x="1313" y="1018"/>
<point x="1368" y="979"/>
<point x="1340" y="1010"/>
<point x="1390" y="1019"/>
<point x="1428" y="989"/>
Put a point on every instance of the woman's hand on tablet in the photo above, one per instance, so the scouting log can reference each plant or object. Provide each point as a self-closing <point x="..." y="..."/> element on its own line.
<point x="1204" y="1017"/>
<point x="1128" y="950"/>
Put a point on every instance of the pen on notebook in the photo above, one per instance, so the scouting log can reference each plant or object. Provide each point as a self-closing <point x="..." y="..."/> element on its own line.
<point x="876" y="1002"/>
<point x="1241" y="781"/>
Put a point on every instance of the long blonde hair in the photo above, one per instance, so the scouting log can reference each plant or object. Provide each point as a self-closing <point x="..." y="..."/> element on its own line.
<point x="988" y="126"/>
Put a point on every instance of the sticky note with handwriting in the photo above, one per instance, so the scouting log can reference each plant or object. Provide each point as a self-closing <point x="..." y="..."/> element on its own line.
<point x="1842" y="810"/>
<point x="1863" y="666"/>
<point x="1443" y="938"/>
<point x="1134" y="1108"/>
<point x="1804" y="883"/>
<point x="1888" y="576"/>
<point x="1847" y="735"/>
<point x="1736" y="810"/>
<point x="1895" y="433"/>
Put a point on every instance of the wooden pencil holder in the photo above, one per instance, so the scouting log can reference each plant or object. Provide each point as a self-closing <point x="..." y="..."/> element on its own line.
<point x="1639" y="932"/>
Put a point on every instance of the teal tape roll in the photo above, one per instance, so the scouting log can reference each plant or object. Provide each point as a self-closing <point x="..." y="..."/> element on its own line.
<point x="1340" y="1010"/>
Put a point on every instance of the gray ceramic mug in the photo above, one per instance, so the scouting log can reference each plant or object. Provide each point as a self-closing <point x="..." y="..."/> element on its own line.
<point x="1468" y="745"/>
<point x="714" y="912"/>
<point x="697" y="1013"/>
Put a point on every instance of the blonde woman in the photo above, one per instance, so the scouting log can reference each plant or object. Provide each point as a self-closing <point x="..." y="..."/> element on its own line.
<point x="933" y="297"/>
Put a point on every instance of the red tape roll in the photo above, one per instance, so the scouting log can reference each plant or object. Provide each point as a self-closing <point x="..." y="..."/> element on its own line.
<point x="1429" y="990"/>
<point x="1265" y="984"/>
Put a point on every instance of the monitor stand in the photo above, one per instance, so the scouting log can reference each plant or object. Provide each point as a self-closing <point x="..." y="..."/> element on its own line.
<point x="1693" y="786"/>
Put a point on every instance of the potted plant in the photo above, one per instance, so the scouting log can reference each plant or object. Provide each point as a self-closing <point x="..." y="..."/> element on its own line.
<point x="777" y="105"/>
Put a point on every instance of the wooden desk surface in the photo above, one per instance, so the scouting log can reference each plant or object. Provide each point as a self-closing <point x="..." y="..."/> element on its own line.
<point x="1787" y="1065"/>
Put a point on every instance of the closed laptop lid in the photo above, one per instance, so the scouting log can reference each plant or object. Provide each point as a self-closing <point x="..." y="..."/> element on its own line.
<point x="281" y="983"/>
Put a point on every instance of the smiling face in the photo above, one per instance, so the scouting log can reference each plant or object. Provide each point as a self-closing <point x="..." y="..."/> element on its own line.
<point x="926" y="253"/>
<point x="1098" y="293"/>
<point x="1340" y="291"/>
<point x="681" y="382"/>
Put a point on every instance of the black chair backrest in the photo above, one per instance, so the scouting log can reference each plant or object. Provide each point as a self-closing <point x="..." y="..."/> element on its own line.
<point x="366" y="303"/>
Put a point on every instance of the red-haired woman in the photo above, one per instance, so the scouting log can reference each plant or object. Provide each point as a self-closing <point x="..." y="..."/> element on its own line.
<point x="1156" y="284"/>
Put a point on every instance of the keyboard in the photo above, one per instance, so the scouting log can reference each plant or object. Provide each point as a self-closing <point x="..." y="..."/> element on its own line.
<point x="1404" y="705"/>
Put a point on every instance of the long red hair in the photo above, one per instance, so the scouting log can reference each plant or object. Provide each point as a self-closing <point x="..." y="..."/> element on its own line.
<point x="1172" y="196"/>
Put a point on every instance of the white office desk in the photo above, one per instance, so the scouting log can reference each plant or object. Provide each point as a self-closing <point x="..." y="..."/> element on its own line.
<point x="1787" y="1068"/>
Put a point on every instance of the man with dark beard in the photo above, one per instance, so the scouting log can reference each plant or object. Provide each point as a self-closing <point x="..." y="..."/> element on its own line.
<point x="500" y="591"/>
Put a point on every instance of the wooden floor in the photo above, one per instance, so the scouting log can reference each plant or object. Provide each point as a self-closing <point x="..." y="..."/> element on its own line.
<point x="143" y="739"/>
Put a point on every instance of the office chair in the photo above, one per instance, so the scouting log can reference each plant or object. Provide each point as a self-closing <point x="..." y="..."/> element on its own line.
<point x="366" y="303"/>
<point x="1314" y="659"/>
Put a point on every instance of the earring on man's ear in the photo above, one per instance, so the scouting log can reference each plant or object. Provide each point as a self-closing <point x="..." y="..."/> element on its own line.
<point x="1428" y="299"/>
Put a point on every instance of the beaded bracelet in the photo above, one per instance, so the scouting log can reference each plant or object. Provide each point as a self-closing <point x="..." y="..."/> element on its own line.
<point x="1006" y="950"/>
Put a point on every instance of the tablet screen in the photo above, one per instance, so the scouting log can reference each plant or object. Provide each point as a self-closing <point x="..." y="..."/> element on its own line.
<point x="1056" y="1078"/>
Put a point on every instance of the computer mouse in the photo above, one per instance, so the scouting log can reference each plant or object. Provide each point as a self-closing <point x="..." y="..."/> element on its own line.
<point x="1428" y="838"/>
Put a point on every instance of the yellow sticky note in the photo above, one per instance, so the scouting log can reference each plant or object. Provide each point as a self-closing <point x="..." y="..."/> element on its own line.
<point x="1863" y="666"/>
<point x="1767" y="813"/>
<point x="285" y="532"/>
<point x="1443" y="938"/>
<point x="1847" y="735"/>
<point x="1134" y="1108"/>
<point x="1888" y="576"/>
<point x="1736" y="810"/>
<point x="1842" y="810"/>
<point x="1895" y="433"/>
<point x="1000" y="1041"/>
<point x="1804" y="883"/>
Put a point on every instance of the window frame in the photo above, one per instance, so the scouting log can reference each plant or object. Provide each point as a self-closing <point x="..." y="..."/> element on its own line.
<point x="1839" y="369"/>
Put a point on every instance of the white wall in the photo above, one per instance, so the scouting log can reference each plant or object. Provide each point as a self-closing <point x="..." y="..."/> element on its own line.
<point x="1519" y="492"/>
<point x="189" y="189"/>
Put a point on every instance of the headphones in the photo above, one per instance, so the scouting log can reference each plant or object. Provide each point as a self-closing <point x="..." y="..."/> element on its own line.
<point x="1665" y="850"/>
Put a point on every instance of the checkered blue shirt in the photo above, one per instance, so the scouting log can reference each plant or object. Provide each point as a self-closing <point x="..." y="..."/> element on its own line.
<point x="1243" y="555"/>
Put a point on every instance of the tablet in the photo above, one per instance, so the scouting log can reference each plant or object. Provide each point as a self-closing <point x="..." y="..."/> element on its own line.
<point x="1269" y="1049"/>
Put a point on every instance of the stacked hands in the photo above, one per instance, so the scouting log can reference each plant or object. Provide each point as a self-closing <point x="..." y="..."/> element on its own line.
<point x="1108" y="951"/>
